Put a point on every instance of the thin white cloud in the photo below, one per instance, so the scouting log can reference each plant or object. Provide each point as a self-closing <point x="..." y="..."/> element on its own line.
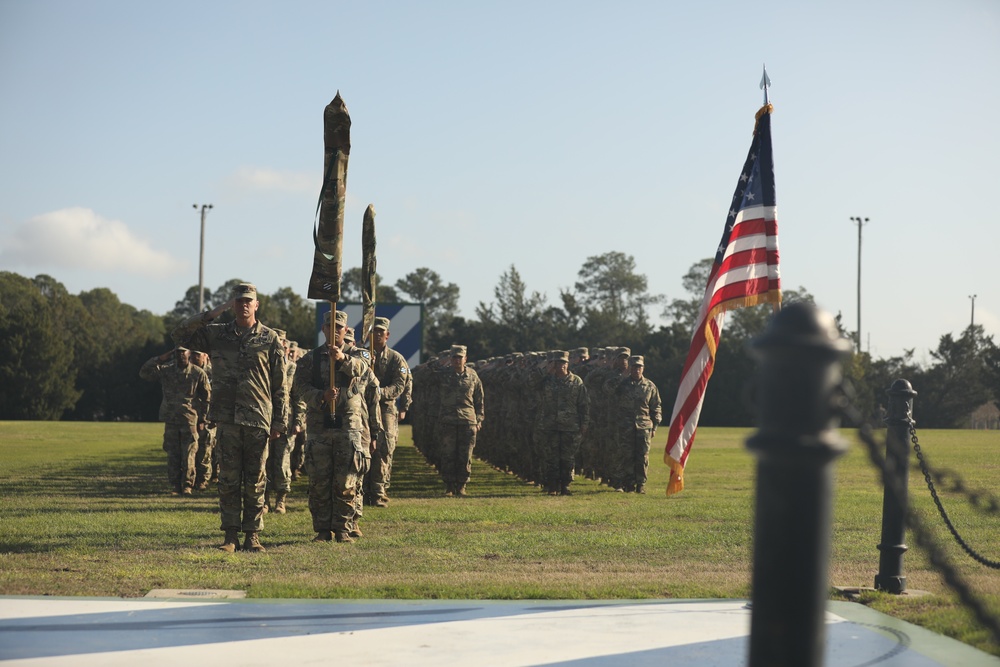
<point x="79" y="238"/>
<point x="258" y="178"/>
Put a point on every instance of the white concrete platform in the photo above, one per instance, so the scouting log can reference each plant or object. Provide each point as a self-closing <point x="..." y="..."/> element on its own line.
<point x="150" y="632"/>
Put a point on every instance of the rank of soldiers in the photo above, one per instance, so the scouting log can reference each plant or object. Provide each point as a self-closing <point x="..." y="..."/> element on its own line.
<point x="246" y="409"/>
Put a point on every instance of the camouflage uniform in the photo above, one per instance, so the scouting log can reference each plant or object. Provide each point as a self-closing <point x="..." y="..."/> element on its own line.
<point x="563" y="415"/>
<point x="250" y="399"/>
<point x="370" y="392"/>
<point x="461" y="414"/>
<point x="207" y="459"/>
<point x="337" y="455"/>
<point x="393" y="376"/>
<point x="186" y="395"/>
<point x="297" y="458"/>
<point x="637" y="412"/>
<point x="279" y="457"/>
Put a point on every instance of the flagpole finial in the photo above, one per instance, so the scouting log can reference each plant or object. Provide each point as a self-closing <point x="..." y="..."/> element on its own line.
<point x="765" y="83"/>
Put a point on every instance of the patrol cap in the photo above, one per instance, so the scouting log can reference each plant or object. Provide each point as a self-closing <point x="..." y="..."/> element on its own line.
<point x="559" y="355"/>
<point x="636" y="360"/>
<point x="624" y="352"/>
<point x="381" y="323"/>
<point x="293" y="344"/>
<point x="459" y="351"/>
<point x="348" y="334"/>
<point x="181" y="349"/>
<point x="582" y="351"/>
<point x="341" y="318"/>
<point x="244" y="291"/>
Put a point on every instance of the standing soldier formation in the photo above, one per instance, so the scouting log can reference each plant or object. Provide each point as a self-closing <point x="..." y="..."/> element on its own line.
<point x="186" y="395"/>
<point x="250" y="405"/>
<point x="552" y="415"/>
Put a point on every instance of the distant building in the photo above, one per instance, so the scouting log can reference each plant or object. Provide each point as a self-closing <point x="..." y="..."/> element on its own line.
<point x="986" y="416"/>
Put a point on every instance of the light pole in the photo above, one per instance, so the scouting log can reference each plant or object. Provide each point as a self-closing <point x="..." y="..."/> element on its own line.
<point x="860" y="223"/>
<point x="972" y="298"/>
<point x="201" y="259"/>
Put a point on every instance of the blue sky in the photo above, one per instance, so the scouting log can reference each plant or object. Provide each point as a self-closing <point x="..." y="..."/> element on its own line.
<point x="488" y="134"/>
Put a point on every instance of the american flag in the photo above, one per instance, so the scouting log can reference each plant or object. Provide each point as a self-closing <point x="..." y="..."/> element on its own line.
<point x="745" y="273"/>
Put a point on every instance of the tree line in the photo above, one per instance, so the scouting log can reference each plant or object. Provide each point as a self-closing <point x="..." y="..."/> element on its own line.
<point x="65" y="356"/>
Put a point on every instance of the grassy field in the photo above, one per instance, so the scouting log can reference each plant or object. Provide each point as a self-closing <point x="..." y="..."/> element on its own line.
<point x="87" y="512"/>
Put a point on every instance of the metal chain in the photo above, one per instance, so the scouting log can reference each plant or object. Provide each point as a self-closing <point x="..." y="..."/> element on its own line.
<point x="982" y="560"/>
<point x="923" y="538"/>
<point x="984" y="501"/>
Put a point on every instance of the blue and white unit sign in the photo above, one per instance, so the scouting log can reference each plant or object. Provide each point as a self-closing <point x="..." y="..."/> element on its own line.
<point x="406" y="320"/>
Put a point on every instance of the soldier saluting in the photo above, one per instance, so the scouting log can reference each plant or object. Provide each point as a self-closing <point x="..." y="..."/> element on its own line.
<point x="186" y="393"/>
<point x="249" y="403"/>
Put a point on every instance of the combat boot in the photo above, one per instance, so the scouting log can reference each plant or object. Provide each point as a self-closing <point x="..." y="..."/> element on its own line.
<point x="343" y="536"/>
<point x="252" y="543"/>
<point x="279" y="504"/>
<point x="323" y="536"/>
<point x="232" y="541"/>
<point x="461" y="492"/>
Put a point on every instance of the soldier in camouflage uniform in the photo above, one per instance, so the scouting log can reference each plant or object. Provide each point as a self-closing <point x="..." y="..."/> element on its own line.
<point x="337" y="452"/>
<point x="563" y="416"/>
<point x="637" y="412"/>
<point x="297" y="457"/>
<point x="461" y="416"/>
<point x="250" y="405"/>
<point x="186" y="395"/>
<point x="393" y="377"/>
<point x="608" y="449"/>
<point x="370" y="398"/>
<point x="206" y="461"/>
<point x="279" y="457"/>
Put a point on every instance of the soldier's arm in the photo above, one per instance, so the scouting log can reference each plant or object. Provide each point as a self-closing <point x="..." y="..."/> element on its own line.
<point x="191" y="332"/>
<point x="396" y="384"/>
<point x="479" y="400"/>
<point x="304" y="391"/>
<point x="406" y="400"/>
<point x="655" y="408"/>
<point x="279" y="389"/>
<point x="583" y="409"/>
<point x="204" y="392"/>
<point x="150" y="370"/>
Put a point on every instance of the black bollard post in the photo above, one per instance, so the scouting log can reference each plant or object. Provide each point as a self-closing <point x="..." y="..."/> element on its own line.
<point x="799" y="383"/>
<point x="894" y="496"/>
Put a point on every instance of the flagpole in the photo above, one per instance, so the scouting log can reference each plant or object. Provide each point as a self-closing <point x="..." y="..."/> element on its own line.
<point x="765" y="83"/>
<point x="333" y="362"/>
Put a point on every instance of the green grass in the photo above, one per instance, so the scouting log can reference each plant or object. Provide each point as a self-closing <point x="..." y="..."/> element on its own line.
<point x="87" y="513"/>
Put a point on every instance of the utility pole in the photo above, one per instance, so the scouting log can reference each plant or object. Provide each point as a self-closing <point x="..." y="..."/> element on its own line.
<point x="972" y="298"/>
<point x="860" y="223"/>
<point x="201" y="259"/>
